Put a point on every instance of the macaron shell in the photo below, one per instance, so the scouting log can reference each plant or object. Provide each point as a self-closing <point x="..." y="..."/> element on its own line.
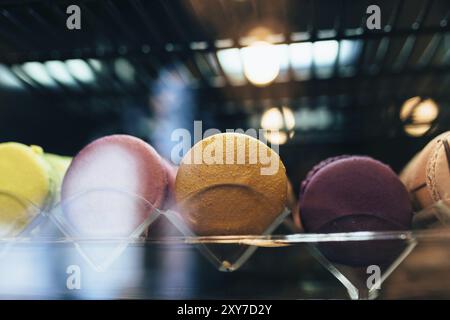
<point x="24" y="179"/>
<point x="350" y="194"/>
<point x="58" y="164"/>
<point x="292" y="204"/>
<point x="226" y="199"/>
<point x="438" y="170"/>
<point x="119" y="162"/>
<point x="359" y="185"/>
<point x="171" y="172"/>
<point x="58" y="168"/>
<point x="414" y="175"/>
<point x="316" y="169"/>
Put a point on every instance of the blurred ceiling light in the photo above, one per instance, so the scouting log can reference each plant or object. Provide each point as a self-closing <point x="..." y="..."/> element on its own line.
<point x="199" y="45"/>
<point x="274" y="120"/>
<point x="124" y="70"/>
<point x="300" y="36"/>
<point x="259" y="33"/>
<point x="417" y="130"/>
<point x="96" y="64"/>
<point x="419" y="111"/>
<point x="326" y="33"/>
<point x="283" y="54"/>
<point x="7" y="78"/>
<point x="319" y="119"/>
<point x="418" y="115"/>
<point x="80" y="70"/>
<point x="38" y="72"/>
<point x="261" y="62"/>
<point x="325" y="52"/>
<point x="230" y="60"/>
<point x="276" y="38"/>
<point x="59" y="72"/>
<point x="324" y="55"/>
<point x="301" y="55"/>
<point x="353" y="31"/>
<point x="223" y="43"/>
<point x="349" y="51"/>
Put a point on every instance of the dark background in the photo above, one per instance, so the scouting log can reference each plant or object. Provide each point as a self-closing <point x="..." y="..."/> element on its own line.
<point x="409" y="57"/>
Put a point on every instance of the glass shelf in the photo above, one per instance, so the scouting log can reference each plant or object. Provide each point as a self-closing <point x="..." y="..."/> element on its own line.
<point x="135" y="262"/>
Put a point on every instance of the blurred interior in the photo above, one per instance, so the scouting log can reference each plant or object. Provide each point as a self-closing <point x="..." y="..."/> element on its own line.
<point x="309" y="68"/>
<point x="146" y="67"/>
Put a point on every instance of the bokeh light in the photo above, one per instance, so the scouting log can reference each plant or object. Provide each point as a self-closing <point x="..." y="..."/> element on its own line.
<point x="261" y="62"/>
<point x="279" y="123"/>
<point x="418" y="114"/>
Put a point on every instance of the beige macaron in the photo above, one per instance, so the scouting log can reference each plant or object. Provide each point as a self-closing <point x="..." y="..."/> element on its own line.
<point x="427" y="175"/>
<point x="230" y="184"/>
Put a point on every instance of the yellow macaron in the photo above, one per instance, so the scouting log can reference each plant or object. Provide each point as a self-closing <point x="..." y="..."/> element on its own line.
<point x="25" y="185"/>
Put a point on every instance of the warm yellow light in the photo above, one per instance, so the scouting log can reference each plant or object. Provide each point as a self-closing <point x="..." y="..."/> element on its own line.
<point x="417" y="130"/>
<point x="274" y="120"/>
<point x="276" y="137"/>
<point x="419" y="111"/>
<point x="418" y="114"/>
<point x="261" y="62"/>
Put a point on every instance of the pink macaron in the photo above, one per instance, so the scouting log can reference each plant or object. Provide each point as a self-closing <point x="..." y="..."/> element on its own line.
<point x="113" y="185"/>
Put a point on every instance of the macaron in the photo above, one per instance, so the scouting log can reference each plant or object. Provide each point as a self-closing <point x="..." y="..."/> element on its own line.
<point x="171" y="171"/>
<point x="350" y="194"/>
<point x="112" y="185"/>
<point x="230" y="184"/>
<point x="427" y="175"/>
<point x="25" y="185"/>
<point x="58" y="165"/>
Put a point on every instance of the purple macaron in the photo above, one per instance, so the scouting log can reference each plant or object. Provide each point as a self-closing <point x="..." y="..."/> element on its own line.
<point x="355" y="193"/>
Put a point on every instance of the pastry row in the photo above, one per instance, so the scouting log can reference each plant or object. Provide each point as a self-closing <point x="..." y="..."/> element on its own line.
<point x="220" y="187"/>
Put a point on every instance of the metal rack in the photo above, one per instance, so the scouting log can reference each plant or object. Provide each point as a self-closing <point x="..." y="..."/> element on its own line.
<point x="409" y="56"/>
<point x="168" y="31"/>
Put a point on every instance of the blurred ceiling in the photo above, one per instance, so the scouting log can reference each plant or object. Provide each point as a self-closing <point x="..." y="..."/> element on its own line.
<point x="342" y="81"/>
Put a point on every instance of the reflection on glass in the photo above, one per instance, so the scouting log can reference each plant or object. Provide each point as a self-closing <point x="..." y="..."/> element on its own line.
<point x="26" y="273"/>
<point x="173" y="107"/>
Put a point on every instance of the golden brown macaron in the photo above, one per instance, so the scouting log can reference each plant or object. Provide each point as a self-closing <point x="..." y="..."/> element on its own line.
<point x="230" y="184"/>
<point x="427" y="175"/>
